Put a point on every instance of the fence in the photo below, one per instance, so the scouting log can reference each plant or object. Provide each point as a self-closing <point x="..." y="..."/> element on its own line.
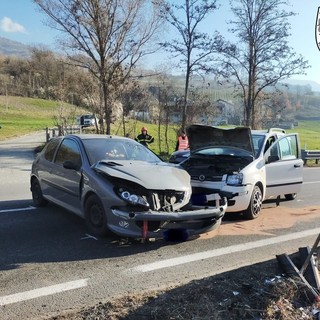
<point x="59" y="131"/>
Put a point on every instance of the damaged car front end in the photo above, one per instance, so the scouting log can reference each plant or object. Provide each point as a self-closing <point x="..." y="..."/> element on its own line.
<point x="118" y="185"/>
<point x="156" y="198"/>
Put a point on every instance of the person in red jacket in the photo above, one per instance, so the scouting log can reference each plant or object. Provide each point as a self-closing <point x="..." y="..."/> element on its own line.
<point x="182" y="142"/>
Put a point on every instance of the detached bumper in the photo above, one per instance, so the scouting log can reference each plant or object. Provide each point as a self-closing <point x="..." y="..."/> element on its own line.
<point x="196" y="213"/>
<point x="155" y="224"/>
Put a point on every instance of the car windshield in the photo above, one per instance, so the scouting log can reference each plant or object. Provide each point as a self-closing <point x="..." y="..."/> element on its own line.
<point x="222" y="151"/>
<point x="117" y="149"/>
<point x="257" y="140"/>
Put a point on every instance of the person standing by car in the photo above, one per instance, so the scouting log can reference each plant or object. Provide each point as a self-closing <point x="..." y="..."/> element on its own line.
<point x="182" y="142"/>
<point x="144" y="138"/>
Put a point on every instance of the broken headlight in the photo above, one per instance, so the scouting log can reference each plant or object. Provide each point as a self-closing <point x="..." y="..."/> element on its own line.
<point x="132" y="198"/>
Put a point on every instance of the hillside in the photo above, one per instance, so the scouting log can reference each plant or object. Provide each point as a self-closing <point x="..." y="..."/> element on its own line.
<point x="13" y="48"/>
<point x="315" y="86"/>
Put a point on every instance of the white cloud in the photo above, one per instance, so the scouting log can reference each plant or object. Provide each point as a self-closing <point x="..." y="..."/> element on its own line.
<point x="7" y="25"/>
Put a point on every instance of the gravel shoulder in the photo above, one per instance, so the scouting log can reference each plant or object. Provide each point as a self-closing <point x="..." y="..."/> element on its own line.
<point x="259" y="291"/>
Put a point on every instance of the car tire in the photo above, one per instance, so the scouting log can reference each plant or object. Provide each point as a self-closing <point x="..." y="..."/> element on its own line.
<point x="37" y="195"/>
<point x="290" y="196"/>
<point x="95" y="216"/>
<point x="255" y="204"/>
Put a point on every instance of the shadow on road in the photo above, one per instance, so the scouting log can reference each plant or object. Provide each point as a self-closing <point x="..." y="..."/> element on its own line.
<point x="51" y="234"/>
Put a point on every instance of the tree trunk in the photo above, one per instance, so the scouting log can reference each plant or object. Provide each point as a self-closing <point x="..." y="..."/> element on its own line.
<point x="185" y="100"/>
<point x="107" y="109"/>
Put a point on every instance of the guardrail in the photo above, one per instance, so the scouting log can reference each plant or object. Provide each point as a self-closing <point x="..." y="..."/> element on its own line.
<point x="310" y="155"/>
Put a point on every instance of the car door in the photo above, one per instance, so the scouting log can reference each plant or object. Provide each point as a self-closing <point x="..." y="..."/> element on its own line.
<point x="284" y="166"/>
<point x="65" y="183"/>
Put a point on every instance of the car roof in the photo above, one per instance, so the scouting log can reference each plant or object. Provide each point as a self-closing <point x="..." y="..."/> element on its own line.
<point x="266" y="132"/>
<point x="84" y="136"/>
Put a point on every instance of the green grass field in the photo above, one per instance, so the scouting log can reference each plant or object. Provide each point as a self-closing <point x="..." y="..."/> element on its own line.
<point x="309" y="133"/>
<point x="20" y="115"/>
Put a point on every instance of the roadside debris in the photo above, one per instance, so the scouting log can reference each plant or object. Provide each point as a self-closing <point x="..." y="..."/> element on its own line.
<point x="308" y="272"/>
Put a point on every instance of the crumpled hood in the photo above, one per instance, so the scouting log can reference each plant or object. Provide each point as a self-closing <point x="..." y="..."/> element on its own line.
<point x="154" y="176"/>
<point x="201" y="136"/>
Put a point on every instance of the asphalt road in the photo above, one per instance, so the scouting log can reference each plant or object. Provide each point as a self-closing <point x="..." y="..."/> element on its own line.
<point x="49" y="263"/>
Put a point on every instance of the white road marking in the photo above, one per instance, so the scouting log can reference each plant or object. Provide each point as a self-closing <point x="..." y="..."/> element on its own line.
<point x="221" y="251"/>
<point x="45" y="291"/>
<point x="17" y="209"/>
<point x="311" y="182"/>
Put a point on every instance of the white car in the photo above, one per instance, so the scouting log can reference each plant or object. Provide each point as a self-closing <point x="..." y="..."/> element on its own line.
<point x="86" y="120"/>
<point x="251" y="165"/>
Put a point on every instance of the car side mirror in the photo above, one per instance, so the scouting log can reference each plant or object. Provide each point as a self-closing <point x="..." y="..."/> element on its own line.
<point x="273" y="159"/>
<point x="70" y="165"/>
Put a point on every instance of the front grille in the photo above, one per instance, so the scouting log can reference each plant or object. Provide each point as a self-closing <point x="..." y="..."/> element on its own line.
<point x="202" y="177"/>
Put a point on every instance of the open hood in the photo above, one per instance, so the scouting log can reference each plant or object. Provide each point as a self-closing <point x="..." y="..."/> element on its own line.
<point x="201" y="136"/>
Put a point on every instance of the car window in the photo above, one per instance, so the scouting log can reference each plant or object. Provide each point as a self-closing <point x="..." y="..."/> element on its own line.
<point x="274" y="150"/>
<point x="50" y="149"/>
<point x="68" y="150"/>
<point x="269" y="142"/>
<point x="258" y="141"/>
<point x="286" y="148"/>
<point x="117" y="149"/>
<point x="223" y="151"/>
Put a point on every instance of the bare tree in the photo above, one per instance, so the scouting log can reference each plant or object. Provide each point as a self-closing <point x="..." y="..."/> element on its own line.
<point x="134" y="97"/>
<point x="262" y="56"/>
<point x="193" y="46"/>
<point x="281" y="107"/>
<point x="199" y="106"/>
<point x="112" y="35"/>
<point x="165" y="95"/>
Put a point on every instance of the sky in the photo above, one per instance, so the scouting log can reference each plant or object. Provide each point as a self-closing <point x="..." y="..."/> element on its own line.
<point x="21" y="20"/>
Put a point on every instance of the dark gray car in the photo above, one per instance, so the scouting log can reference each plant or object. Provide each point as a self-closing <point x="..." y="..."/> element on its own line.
<point x="117" y="184"/>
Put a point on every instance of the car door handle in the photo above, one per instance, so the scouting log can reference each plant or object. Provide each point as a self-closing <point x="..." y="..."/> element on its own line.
<point x="297" y="165"/>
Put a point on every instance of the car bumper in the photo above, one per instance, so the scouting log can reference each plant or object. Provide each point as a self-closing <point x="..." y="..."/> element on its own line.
<point x="154" y="224"/>
<point x="241" y="200"/>
<point x="238" y="196"/>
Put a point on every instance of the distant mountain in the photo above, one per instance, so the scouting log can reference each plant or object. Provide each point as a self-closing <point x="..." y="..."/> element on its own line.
<point x="315" y="86"/>
<point x="13" y="48"/>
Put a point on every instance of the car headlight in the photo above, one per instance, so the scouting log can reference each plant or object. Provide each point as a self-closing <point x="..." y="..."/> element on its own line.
<point x="235" y="179"/>
<point x="132" y="198"/>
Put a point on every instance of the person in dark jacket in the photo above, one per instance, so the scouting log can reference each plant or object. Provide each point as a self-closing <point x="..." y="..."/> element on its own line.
<point x="144" y="138"/>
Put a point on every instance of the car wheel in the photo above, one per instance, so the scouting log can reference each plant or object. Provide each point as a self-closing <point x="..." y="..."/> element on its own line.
<point x="95" y="216"/>
<point x="37" y="196"/>
<point x="290" y="196"/>
<point x="255" y="205"/>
